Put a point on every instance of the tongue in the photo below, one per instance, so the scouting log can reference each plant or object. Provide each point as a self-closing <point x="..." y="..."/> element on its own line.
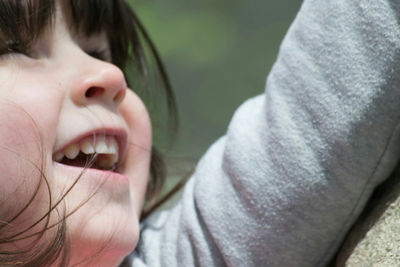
<point x="82" y="160"/>
<point x="94" y="161"/>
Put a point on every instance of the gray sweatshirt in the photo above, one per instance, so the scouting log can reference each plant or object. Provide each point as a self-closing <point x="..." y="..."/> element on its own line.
<point x="299" y="162"/>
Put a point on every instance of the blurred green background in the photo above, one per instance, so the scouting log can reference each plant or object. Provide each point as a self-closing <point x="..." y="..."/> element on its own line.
<point x="217" y="54"/>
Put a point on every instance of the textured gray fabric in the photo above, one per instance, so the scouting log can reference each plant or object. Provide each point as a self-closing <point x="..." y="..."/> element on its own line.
<point x="299" y="162"/>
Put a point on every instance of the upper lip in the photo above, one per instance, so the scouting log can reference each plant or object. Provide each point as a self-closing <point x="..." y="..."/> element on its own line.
<point x="119" y="134"/>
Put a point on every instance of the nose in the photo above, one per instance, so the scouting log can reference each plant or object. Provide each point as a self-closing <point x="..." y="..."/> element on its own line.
<point x="99" y="83"/>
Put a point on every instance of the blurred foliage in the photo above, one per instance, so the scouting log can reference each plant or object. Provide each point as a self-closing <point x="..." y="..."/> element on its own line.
<point x="217" y="54"/>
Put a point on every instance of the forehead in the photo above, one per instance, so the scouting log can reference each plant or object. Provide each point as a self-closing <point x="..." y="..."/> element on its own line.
<point x="67" y="18"/>
<point x="23" y="21"/>
<point x="90" y="16"/>
<point x="29" y="17"/>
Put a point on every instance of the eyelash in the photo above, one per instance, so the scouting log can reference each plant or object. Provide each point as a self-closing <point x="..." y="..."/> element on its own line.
<point x="15" y="47"/>
<point x="99" y="54"/>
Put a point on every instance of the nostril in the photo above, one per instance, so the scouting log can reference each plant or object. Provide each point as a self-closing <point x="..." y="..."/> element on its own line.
<point x="119" y="96"/>
<point x="94" y="91"/>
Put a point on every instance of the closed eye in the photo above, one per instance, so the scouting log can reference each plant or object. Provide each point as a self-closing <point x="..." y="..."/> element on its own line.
<point x="103" y="55"/>
<point x="13" y="47"/>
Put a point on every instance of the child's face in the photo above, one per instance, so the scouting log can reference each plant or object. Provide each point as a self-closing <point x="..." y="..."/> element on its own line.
<point x="56" y="97"/>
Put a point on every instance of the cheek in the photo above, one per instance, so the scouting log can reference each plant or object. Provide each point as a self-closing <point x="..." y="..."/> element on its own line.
<point x="37" y="99"/>
<point x="28" y="118"/>
<point x="22" y="162"/>
<point x="137" y="163"/>
<point x="20" y="147"/>
<point x="28" y="115"/>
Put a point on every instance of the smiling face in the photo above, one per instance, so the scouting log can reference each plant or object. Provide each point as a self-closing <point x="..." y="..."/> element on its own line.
<point x="59" y="105"/>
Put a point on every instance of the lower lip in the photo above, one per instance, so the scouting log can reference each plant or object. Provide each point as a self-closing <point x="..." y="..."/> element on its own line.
<point x="94" y="175"/>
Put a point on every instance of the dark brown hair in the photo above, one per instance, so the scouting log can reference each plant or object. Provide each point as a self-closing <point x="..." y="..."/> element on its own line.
<point x="21" y="24"/>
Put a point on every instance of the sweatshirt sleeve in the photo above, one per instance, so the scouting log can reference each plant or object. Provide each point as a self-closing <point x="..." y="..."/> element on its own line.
<point x="299" y="162"/>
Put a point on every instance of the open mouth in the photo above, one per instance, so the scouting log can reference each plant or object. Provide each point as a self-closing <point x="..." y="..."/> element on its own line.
<point x="97" y="152"/>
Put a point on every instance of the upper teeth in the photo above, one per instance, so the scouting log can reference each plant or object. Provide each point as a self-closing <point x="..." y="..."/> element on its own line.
<point x="95" y="144"/>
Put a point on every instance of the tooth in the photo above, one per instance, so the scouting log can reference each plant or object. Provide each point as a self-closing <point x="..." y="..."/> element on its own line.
<point x="71" y="151"/>
<point x="101" y="147"/>
<point x="58" y="156"/>
<point x="87" y="147"/>
<point x="113" y="146"/>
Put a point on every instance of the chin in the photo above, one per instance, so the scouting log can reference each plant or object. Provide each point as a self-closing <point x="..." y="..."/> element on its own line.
<point x="103" y="225"/>
<point x="104" y="239"/>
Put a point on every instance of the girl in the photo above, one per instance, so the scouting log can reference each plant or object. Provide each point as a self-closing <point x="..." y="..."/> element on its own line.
<point x="280" y="189"/>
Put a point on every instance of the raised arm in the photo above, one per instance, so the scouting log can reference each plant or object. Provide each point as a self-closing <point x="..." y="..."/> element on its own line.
<point x="298" y="163"/>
